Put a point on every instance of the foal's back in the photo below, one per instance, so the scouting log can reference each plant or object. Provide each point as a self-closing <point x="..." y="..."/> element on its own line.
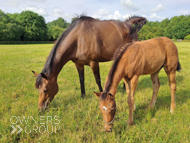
<point x="147" y="57"/>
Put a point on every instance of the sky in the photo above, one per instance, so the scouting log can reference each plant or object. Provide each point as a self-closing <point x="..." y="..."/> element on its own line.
<point x="153" y="10"/>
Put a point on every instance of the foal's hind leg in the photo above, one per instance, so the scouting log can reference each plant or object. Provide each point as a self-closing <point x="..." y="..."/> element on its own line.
<point x="172" y="80"/>
<point x="155" y="85"/>
<point x="96" y="71"/>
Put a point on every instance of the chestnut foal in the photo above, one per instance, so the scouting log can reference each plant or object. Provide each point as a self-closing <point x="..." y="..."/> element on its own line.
<point x="133" y="60"/>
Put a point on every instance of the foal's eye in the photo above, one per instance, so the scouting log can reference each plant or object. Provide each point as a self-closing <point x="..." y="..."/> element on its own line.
<point x="45" y="90"/>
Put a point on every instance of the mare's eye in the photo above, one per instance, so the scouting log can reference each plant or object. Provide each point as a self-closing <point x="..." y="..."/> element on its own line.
<point x="45" y="90"/>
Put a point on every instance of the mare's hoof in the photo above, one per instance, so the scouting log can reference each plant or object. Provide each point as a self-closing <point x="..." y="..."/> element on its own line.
<point x="83" y="95"/>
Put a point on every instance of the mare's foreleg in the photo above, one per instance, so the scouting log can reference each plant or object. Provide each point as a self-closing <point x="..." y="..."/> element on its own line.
<point x="155" y="85"/>
<point x="96" y="71"/>
<point x="80" y="69"/>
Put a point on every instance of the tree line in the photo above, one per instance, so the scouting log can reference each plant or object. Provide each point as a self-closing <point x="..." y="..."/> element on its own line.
<point x="178" y="27"/>
<point x="29" y="26"/>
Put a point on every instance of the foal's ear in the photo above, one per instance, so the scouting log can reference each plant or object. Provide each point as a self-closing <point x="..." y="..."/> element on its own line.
<point x="97" y="93"/>
<point x="44" y="76"/>
<point x="36" y="74"/>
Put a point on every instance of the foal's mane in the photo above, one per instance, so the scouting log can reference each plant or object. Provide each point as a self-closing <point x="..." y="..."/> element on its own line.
<point x="48" y="65"/>
<point x="117" y="58"/>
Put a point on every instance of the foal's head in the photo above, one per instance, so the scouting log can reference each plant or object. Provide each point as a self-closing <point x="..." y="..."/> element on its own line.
<point x="48" y="88"/>
<point x="108" y="107"/>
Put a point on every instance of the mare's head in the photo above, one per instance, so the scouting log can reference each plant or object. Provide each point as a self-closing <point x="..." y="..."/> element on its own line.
<point x="136" y="23"/>
<point x="108" y="107"/>
<point x="48" y="88"/>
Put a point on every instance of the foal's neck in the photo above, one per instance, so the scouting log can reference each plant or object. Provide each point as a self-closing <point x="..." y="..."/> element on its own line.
<point x="113" y="81"/>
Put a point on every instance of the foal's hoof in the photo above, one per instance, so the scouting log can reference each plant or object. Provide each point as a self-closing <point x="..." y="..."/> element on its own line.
<point x="130" y="123"/>
<point x="83" y="95"/>
<point x="171" y="111"/>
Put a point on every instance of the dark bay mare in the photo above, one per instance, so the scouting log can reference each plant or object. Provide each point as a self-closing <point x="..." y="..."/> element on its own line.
<point x="86" y="41"/>
<point x="133" y="60"/>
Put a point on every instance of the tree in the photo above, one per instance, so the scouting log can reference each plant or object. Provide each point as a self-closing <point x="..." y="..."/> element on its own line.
<point x="56" y="27"/>
<point x="181" y="29"/>
<point x="35" y="28"/>
<point x="10" y="30"/>
<point x="187" y="37"/>
<point x="60" y="22"/>
<point x="54" y="32"/>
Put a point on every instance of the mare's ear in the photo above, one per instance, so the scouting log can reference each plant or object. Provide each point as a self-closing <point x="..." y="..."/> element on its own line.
<point x="44" y="76"/>
<point x="36" y="74"/>
<point x="97" y="93"/>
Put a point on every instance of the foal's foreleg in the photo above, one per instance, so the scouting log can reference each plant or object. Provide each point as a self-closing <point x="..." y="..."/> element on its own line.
<point x="128" y="90"/>
<point x="80" y="69"/>
<point x="96" y="71"/>
<point x="155" y="85"/>
<point x="131" y="100"/>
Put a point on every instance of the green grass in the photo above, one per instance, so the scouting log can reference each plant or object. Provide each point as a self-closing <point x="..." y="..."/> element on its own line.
<point x="81" y="120"/>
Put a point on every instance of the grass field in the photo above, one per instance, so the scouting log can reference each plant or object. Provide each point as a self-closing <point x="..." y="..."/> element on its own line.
<point x="72" y="119"/>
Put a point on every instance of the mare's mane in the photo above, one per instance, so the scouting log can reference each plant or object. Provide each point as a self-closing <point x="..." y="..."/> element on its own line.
<point x="117" y="58"/>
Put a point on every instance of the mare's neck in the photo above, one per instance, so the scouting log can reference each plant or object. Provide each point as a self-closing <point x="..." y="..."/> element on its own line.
<point x="62" y="56"/>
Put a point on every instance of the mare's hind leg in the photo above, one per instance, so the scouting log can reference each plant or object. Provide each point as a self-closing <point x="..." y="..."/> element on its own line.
<point x="172" y="81"/>
<point x="80" y="69"/>
<point x="96" y="71"/>
<point x="155" y="85"/>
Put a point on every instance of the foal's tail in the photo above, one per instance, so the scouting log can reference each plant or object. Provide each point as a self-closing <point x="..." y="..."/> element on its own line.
<point x="178" y="67"/>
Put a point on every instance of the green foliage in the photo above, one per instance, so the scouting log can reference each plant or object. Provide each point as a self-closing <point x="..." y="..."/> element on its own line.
<point x="29" y="26"/>
<point x="60" y="22"/>
<point x="35" y="28"/>
<point x="56" y="27"/>
<point x="187" y="37"/>
<point x="175" y="28"/>
<point x="81" y="119"/>
<point x="54" y="32"/>
<point x="10" y="29"/>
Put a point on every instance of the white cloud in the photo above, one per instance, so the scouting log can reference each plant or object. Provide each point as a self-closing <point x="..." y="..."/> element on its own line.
<point x="184" y="12"/>
<point x="57" y="12"/>
<point x="12" y="3"/>
<point x="158" y="8"/>
<point x="155" y="17"/>
<point x="38" y="0"/>
<point x="102" y="13"/>
<point x="118" y="16"/>
<point x="40" y="11"/>
<point x="128" y="5"/>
